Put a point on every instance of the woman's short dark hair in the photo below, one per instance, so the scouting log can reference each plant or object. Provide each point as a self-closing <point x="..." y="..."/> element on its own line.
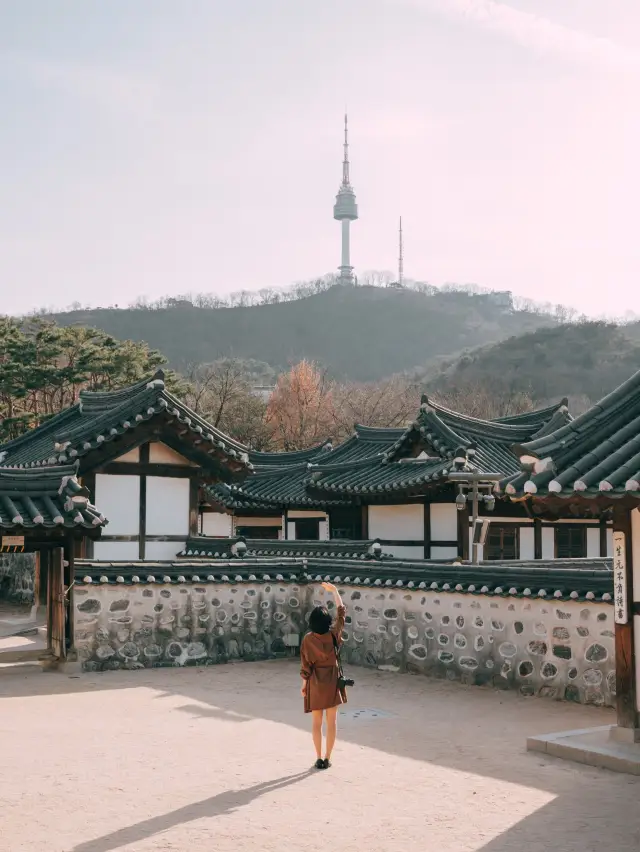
<point x="320" y="620"/>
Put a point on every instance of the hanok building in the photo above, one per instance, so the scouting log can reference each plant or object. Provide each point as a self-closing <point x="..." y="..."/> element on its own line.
<point x="46" y="511"/>
<point x="590" y="468"/>
<point x="143" y="456"/>
<point x="410" y="489"/>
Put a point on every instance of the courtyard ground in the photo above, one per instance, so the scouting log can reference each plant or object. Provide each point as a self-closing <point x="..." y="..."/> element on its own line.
<point x="218" y="759"/>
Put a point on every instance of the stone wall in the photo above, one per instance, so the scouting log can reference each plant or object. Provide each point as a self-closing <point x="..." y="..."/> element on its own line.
<point x="540" y="646"/>
<point x="161" y="624"/>
<point x="17" y="576"/>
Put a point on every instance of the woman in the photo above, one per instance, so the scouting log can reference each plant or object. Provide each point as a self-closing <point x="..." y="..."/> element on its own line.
<point x="319" y="671"/>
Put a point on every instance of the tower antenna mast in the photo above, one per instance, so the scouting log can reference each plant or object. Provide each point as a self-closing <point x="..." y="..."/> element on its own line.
<point x="345" y="210"/>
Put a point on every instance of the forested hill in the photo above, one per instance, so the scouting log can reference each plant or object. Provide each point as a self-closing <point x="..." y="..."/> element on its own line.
<point x="583" y="361"/>
<point x="361" y="333"/>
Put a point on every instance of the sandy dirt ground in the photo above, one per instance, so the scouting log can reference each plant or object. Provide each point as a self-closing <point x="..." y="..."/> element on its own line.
<point x="218" y="759"/>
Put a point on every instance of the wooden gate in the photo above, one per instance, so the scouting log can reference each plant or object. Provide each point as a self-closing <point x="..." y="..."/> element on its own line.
<point x="57" y="605"/>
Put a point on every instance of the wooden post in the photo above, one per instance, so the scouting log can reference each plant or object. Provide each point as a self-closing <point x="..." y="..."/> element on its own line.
<point x="365" y="522"/>
<point x="463" y="532"/>
<point x="537" y="538"/>
<point x="427" y="529"/>
<point x="142" y="527"/>
<point x="194" y="491"/>
<point x="626" y="682"/>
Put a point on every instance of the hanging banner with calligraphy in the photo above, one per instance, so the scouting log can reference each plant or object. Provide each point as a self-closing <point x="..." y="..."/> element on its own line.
<point x="620" y="578"/>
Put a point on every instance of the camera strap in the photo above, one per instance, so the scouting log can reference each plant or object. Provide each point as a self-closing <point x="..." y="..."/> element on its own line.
<point x="336" y="648"/>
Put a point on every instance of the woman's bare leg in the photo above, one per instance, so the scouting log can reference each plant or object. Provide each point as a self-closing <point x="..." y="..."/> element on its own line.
<point x="332" y="729"/>
<point x="317" y="731"/>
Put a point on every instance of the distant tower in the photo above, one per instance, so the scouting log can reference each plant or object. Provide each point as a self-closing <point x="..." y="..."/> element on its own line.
<point x="345" y="210"/>
<point x="400" y="257"/>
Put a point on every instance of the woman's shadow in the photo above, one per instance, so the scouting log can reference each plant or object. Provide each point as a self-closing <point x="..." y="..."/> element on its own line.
<point x="222" y="803"/>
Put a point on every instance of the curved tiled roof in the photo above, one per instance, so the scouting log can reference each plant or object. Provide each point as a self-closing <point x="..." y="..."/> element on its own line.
<point x="370" y="463"/>
<point x="101" y="417"/>
<point x="570" y="581"/>
<point x="45" y="498"/>
<point x="595" y="455"/>
<point x="206" y="547"/>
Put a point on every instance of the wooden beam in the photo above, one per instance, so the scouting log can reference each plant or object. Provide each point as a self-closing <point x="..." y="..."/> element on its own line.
<point x="194" y="501"/>
<point x="426" y="514"/>
<point x="142" y="529"/>
<point x="180" y="471"/>
<point x="365" y="522"/>
<point x="463" y="532"/>
<point x="626" y="685"/>
<point x="537" y="538"/>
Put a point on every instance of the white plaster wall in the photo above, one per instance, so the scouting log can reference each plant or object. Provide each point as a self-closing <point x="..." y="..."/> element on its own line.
<point x="397" y="522"/>
<point x="593" y="541"/>
<point x="119" y="500"/>
<point x="444" y="522"/>
<point x="548" y="543"/>
<point x="291" y="530"/>
<point x="132" y="456"/>
<point x="527" y="544"/>
<point x="258" y="522"/>
<point x="402" y="552"/>
<point x="115" y="550"/>
<point x="323" y="530"/>
<point x="444" y="553"/>
<point x="217" y="524"/>
<point x="161" y="454"/>
<point x="609" y="541"/>
<point x="167" y="505"/>
<point x="159" y="550"/>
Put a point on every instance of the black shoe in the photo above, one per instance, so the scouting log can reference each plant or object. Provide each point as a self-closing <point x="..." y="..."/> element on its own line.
<point x="320" y="763"/>
<point x="326" y="763"/>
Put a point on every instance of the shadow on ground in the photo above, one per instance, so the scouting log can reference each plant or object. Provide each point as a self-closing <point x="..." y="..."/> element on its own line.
<point x="424" y="720"/>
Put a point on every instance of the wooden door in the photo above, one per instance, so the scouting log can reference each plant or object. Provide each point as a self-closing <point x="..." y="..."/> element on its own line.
<point x="56" y="620"/>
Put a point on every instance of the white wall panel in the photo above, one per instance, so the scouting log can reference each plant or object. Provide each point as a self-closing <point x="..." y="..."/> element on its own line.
<point x="216" y="523"/>
<point x="167" y="505"/>
<point x="401" y="552"/>
<point x="527" y="544"/>
<point x="397" y="522"/>
<point x="323" y="530"/>
<point x="132" y="456"/>
<point x="118" y="498"/>
<point x="444" y="522"/>
<point x="163" y="550"/>
<point x="116" y="550"/>
<point x="161" y="454"/>
<point x="593" y="541"/>
<point x="609" y="541"/>
<point x="444" y="553"/>
<point x="291" y="530"/>
<point x="548" y="543"/>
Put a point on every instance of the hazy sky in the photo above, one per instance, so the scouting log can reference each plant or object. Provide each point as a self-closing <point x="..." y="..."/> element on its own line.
<point x="153" y="147"/>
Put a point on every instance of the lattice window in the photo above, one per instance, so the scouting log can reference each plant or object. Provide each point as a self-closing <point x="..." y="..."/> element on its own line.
<point x="503" y="542"/>
<point x="571" y="541"/>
